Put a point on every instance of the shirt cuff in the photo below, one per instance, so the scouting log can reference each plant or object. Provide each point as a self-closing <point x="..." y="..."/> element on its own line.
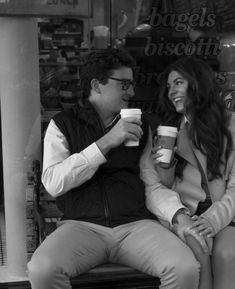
<point x="94" y="156"/>
<point x="171" y="213"/>
<point x="184" y="211"/>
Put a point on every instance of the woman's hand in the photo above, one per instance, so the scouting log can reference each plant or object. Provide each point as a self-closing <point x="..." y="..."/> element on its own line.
<point x="184" y="228"/>
<point x="156" y="154"/>
<point x="205" y="241"/>
<point x="202" y="227"/>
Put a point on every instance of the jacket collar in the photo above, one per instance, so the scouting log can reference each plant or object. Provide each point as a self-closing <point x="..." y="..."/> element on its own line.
<point x="184" y="146"/>
<point x="86" y="112"/>
<point x="186" y="150"/>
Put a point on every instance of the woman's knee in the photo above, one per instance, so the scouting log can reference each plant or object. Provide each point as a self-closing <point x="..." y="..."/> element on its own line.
<point x="224" y="254"/>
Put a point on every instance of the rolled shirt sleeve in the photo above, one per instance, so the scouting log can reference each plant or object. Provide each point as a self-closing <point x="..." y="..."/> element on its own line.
<point x="63" y="171"/>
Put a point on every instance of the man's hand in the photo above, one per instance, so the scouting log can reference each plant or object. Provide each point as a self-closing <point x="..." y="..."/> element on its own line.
<point x="125" y="129"/>
<point x="183" y="228"/>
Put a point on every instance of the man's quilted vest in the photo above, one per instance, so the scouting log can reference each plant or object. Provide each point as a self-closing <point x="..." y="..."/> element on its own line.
<point x="115" y="194"/>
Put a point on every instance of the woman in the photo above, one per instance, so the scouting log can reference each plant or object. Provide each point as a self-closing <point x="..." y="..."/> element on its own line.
<point x="203" y="168"/>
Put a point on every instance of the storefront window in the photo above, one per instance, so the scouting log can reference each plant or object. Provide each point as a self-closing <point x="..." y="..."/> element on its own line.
<point x="41" y="56"/>
<point x="41" y="52"/>
<point x="158" y="32"/>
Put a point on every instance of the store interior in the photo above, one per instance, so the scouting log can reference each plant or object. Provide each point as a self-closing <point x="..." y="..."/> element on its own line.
<point x="41" y="57"/>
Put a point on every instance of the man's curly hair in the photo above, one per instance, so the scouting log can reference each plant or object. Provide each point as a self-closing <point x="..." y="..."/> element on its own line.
<point x="100" y="65"/>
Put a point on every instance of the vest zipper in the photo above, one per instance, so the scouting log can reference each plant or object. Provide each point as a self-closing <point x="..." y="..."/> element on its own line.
<point x="105" y="202"/>
<point x="106" y="209"/>
<point x="104" y="195"/>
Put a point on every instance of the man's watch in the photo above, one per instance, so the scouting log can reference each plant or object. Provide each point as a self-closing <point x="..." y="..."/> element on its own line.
<point x="183" y="211"/>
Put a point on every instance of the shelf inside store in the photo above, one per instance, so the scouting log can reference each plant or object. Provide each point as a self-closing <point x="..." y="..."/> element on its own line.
<point x="78" y="49"/>
<point x="66" y="33"/>
<point x="60" y="63"/>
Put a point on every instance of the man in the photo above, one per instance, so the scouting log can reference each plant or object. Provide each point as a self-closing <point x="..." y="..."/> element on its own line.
<point x="102" y="186"/>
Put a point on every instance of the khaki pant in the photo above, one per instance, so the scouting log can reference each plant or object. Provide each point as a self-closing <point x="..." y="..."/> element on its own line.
<point x="75" y="247"/>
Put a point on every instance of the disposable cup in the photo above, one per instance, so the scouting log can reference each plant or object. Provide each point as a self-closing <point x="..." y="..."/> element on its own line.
<point x="101" y="34"/>
<point x="131" y="112"/>
<point x="166" y="137"/>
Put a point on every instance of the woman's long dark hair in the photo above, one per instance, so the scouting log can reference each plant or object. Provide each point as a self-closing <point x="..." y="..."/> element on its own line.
<point x="205" y="106"/>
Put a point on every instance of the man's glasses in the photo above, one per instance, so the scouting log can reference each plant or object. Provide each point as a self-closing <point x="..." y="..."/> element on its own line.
<point x="126" y="83"/>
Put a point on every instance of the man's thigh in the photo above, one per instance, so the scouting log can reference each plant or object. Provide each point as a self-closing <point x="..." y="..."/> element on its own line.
<point x="74" y="247"/>
<point x="149" y="247"/>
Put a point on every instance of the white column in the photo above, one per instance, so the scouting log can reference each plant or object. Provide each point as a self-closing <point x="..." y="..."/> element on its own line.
<point x="20" y="114"/>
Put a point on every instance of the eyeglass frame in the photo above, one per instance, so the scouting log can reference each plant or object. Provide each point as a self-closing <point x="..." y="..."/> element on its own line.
<point x="124" y="82"/>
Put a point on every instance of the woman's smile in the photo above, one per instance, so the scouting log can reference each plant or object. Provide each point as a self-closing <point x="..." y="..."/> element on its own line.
<point x="177" y="90"/>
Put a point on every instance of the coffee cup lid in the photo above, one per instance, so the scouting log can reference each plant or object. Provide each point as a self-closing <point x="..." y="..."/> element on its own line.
<point x="168" y="128"/>
<point x="131" y="111"/>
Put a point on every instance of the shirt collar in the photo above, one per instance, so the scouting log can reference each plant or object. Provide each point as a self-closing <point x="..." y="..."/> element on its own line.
<point x="184" y="121"/>
<point x="116" y="118"/>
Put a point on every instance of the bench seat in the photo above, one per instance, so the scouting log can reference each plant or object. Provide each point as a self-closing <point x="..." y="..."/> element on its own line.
<point x="115" y="276"/>
<point x="110" y="276"/>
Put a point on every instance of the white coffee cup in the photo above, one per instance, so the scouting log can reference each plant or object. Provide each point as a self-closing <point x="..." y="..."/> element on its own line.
<point x="166" y="137"/>
<point x="101" y="34"/>
<point x="131" y="112"/>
